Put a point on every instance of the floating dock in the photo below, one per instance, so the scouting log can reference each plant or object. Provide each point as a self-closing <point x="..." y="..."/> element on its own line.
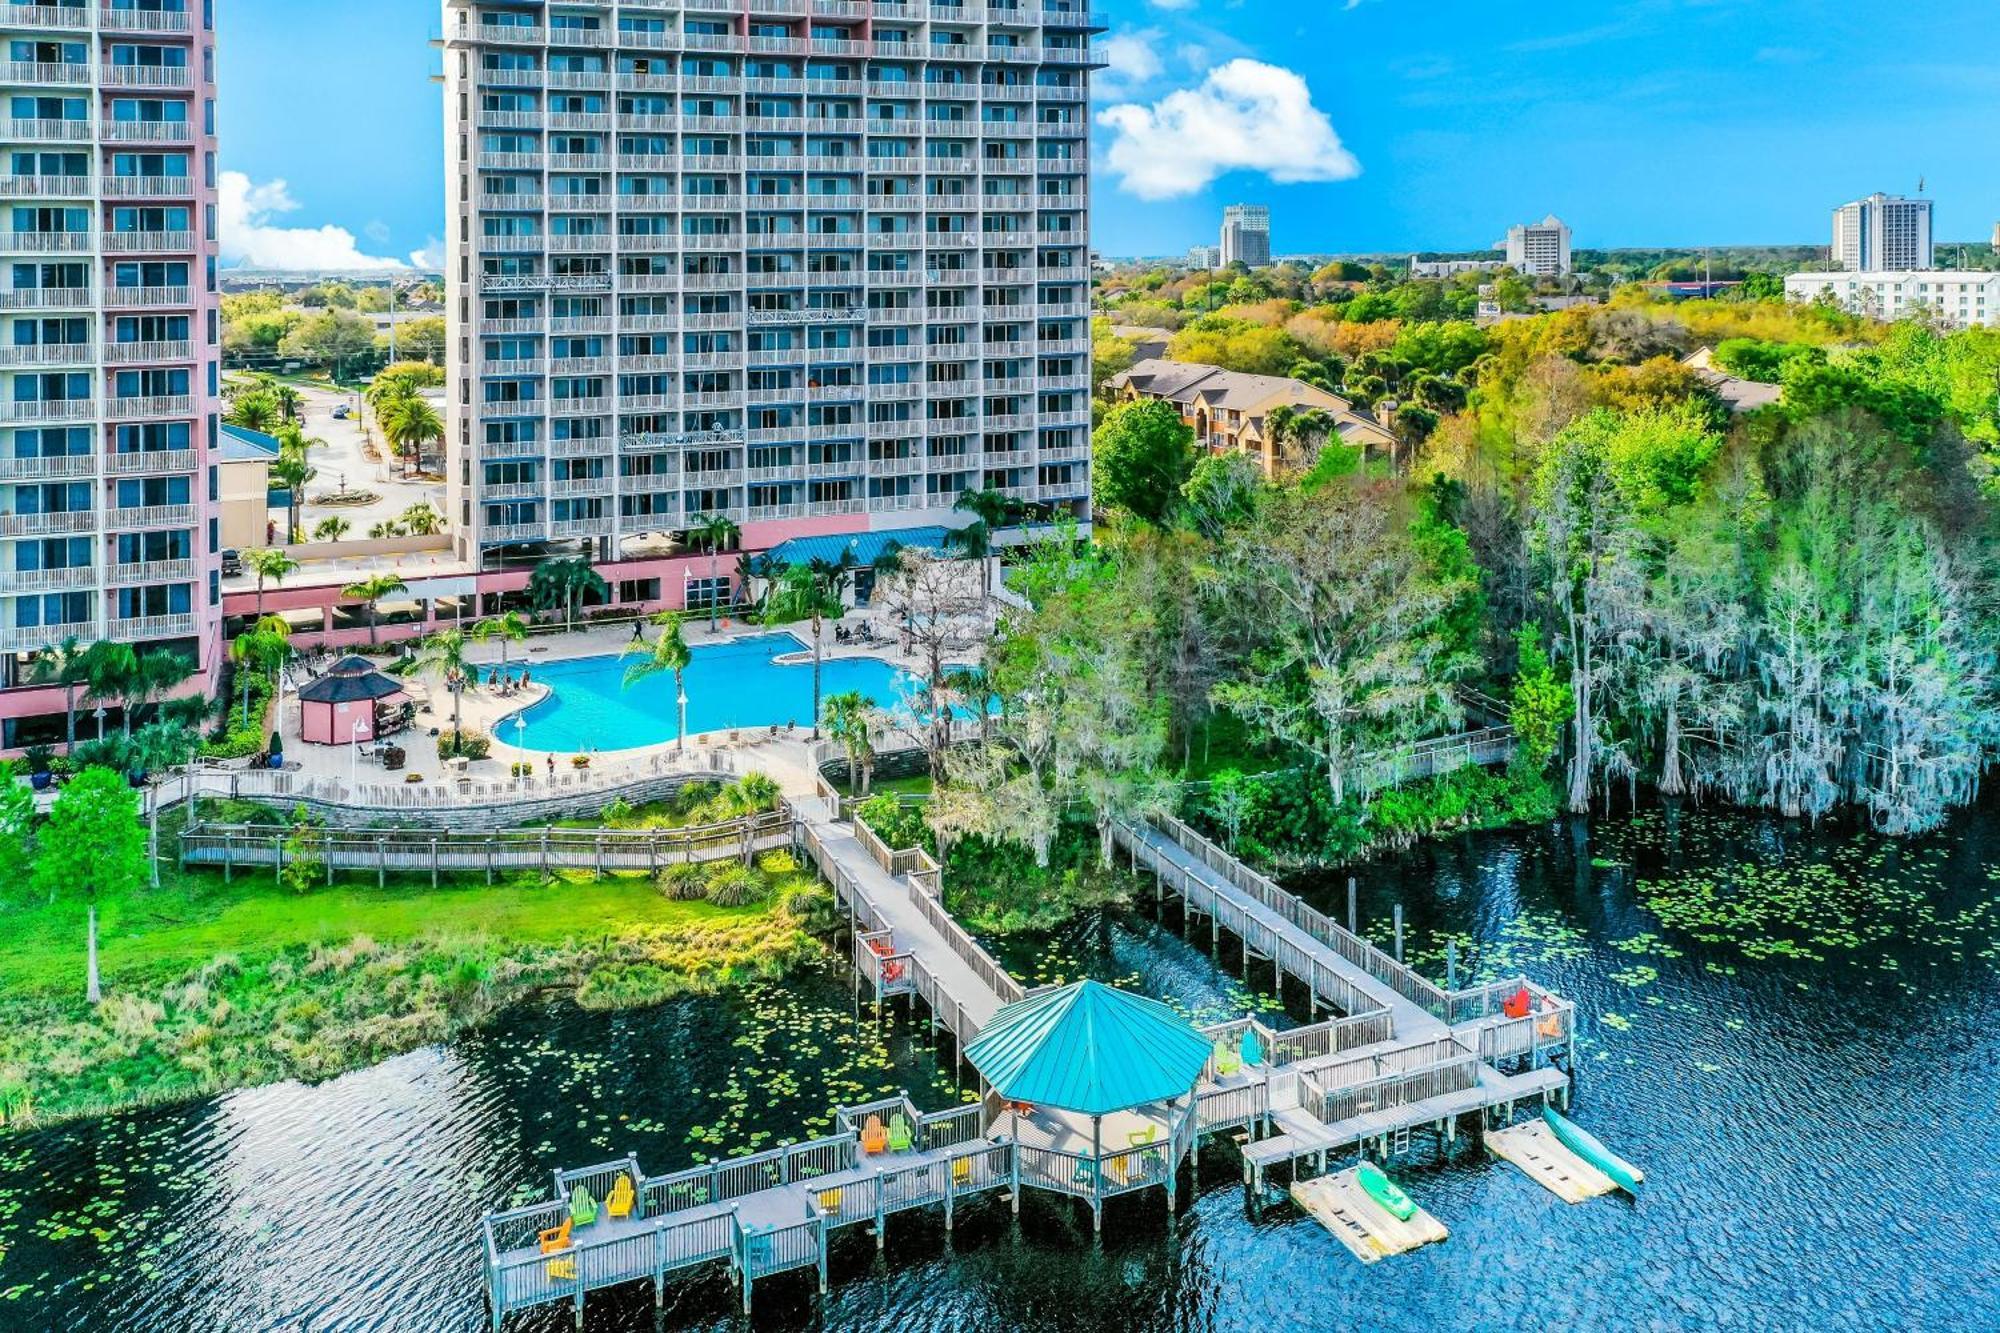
<point x="1370" y="1231"/>
<point x="1533" y="1147"/>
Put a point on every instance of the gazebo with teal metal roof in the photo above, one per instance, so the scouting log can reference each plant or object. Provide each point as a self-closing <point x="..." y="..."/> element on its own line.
<point x="1093" y="1051"/>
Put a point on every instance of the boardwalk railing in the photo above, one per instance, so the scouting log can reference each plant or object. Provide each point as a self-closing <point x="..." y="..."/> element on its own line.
<point x="442" y="793"/>
<point x="438" y="851"/>
<point x="1427" y="759"/>
<point x="1316" y="924"/>
<point x="925" y="879"/>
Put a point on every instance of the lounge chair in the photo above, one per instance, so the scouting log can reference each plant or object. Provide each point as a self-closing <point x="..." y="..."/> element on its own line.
<point x="561" y="1270"/>
<point x="1253" y="1048"/>
<point x="829" y="1201"/>
<point x="900" y="1136"/>
<point x="1226" y="1060"/>
<point x="582" y="1208"/>
<point x="619" y="1202"/>
<point x="1139" y="1138"/>
<point x="961" y="1172"/>
<point x="874" y="1138"/>
<point x="555" y="1238"/>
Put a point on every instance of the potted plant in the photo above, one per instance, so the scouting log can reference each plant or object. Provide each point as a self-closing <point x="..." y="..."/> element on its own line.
<point x="580" y="761"/>
<point x="41" y="766"/>
<point x="277" y="750"/>
<point x="393" y="757"/>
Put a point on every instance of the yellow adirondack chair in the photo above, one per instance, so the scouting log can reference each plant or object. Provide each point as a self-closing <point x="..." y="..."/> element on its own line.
<point x="619" y="1202"/>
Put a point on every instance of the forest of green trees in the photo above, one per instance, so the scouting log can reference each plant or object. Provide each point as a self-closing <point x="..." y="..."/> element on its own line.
<point x="1792" y="609"/>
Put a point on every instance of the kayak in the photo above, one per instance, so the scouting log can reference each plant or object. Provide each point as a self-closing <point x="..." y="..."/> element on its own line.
<point x="1383" y="1190"/>
<point x="1585" y="1145"/>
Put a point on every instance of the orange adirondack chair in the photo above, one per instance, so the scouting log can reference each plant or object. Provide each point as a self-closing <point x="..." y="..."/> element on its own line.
<point x="555" y="1238"/>
<point x="874" y="1138"/>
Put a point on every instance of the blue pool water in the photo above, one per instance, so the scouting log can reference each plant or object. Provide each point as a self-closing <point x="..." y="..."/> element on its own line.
<point x="734" y="684"/>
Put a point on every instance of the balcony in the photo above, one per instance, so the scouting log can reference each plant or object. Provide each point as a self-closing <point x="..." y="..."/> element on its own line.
<point x="126" y="354"/>
<point x="45" y="131"/>
<point x="513" y="532"/>
<point x="160" y="406"/>
<point x="150" y="463"/>
<point x="45" y="242"/>
<point x="48" y="525"/>
<point x="150" y="572"/>
<point x="142" y="628"/>
<point x="150" y="516"/>
<point x="47" y="187"/>
<point x="81" y="578"/>
<point x="148" y="131"/>
<point x="47" y="354"/>
<point x="148" y="242"/>
<point x="41" y="72"/>
<point x="31" y="414"/>
<point x="173" y="78"/>
<point x="600" y="526"/>
<point x="145" y="20"/>
<point x="148" y="187"/>
<point x="45" y="298"/>
<point x="47" y="467"/>
<point x="148" y="298"/>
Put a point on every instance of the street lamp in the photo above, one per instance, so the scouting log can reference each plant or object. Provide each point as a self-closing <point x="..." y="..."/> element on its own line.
<point x="680" y="735"/>
<point x="354" y="757"/>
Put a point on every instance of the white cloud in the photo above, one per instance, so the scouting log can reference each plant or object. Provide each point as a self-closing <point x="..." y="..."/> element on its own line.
<point x="1130" y="62"/>
<point x="246" y="214"/>
<point x="1245" y="116"/>
<point x="431" y="258"/>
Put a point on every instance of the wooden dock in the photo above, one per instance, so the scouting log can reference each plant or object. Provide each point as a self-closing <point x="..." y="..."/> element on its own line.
<point x="1397" y="1054"/>
<point x="1369" y="1231"/>
<point x="1533" y="1147"/>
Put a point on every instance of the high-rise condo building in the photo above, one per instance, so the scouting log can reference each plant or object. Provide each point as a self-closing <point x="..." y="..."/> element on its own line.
<point x="817" y="266"/>
<point x="1246" y="235"/>
<point x="1882" y="234"/>
<point x="1538" y="249"/>
<point x="108" y="339"/>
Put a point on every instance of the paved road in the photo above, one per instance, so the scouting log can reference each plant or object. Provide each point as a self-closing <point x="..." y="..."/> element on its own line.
<point x="343" y="464"/>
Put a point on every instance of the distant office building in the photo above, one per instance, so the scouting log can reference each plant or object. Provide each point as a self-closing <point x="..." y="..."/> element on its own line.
<point x="1538" y="249"/>
<point x="1447" y="268"/>
<point x="1246" y="235"/>
<point x="1204" y="256"/>
<point x="1958" y="297"/>
<point x="1882" y="234"/>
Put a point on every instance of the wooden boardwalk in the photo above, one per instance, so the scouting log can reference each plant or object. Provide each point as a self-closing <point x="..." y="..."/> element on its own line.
<point x="1397" y="1053"/>
<point x="1369" y="1231"/>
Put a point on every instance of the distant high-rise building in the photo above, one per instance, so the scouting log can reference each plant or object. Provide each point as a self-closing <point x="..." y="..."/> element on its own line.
<point x="1538" y="249"/>
<point x="1204" y="256"/>
<point x="108" y="342"/>
<point x="1996" y="236"/>
<point x="1246" y="235"/>
<point x="1882" y="234"/>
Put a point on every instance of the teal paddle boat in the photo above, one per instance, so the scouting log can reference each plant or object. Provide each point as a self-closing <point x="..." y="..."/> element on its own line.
<point x="1585" y="1145"/>
<point x="1377" y="1186"/>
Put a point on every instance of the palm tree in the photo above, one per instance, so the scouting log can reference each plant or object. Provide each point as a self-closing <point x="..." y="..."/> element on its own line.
<point x="331" y="528"/>
<point x="508" y="627"/>
<point x="564" y="583"/>
<point x="749" y="796"/>
<point x="715" y="531"/>
<point x="263" y="647"/>
<point x="849" y="718"/>
<point x="444" y="652"/>
<point x="990" y="510"/>
<point x="108" y="670"/>
<point x="422" y="520"/>
<point x="409" y="423"/>
<point x="267" y="562"/>
<point x="288" y="400"/>
<point x="810" y="592"/>
<point x="668" y="652"/>
<point x="291" y="470"/>
<point x="68" y="665"/>
<point x="373" y="590"/>
<point x="158" y="672"/>
<point x="254" y="411"/>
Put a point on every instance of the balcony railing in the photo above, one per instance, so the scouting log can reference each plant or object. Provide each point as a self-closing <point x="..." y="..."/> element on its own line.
<point x="139" y="628"/>
<point x="71" y="409"/>
<point x="47" y="354"/>
<point x="48" y="525"/>
<point x="148" y="242"/>
<point x="37" y="130"/>
<point x="145" y="20"/>
<point x="148" y="131"/>
<point x="150" y="516"/>
<point x="148" y="298"/>
<point x="157" y="405"/>
<point x="124" y="354"/>
<point x="45" y="242"/>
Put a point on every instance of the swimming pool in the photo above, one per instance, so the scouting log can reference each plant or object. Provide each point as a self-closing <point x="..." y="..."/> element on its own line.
<point x="734" y="684"/>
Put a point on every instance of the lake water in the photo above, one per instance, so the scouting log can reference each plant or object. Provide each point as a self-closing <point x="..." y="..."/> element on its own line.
<point x="1819" y="1133"/>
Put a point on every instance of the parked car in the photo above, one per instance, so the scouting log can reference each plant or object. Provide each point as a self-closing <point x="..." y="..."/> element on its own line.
<point x="340" y="412"/>
<point x="232" y="562"/>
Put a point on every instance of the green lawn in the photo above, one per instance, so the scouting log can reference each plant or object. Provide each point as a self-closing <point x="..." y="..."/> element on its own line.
<point x="917" y="785"/>
<point x="156" y="936"/>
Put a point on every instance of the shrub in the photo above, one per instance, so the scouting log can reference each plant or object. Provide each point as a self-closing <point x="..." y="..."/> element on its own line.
<point x="693" y="797"/>
<point x="233" y="738"/>
<point x="464" y="745"/>
<point x="895" y="824"/>
<point x="684" y="882"/>
<point x="618" y="812"/>
<point x="733" y="885"/>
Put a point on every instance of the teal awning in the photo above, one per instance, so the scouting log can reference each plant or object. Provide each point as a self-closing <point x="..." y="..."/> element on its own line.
<point x="860" y="548"/>
<point x="1089" y="1048"/>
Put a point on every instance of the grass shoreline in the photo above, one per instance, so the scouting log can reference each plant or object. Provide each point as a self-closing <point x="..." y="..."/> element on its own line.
<point x="212" y="986"/>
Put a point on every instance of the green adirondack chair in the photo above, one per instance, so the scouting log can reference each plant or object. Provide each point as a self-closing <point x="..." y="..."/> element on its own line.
<point x="900" y="1137"/>
<point x="582" y="1208"/>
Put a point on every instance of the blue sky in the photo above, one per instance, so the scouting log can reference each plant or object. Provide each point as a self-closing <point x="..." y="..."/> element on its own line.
<point x="1365" y="124"/>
